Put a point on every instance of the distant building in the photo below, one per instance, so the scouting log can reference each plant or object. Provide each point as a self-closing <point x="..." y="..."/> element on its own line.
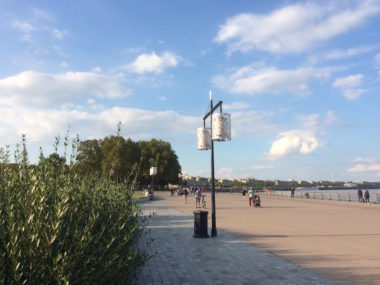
<point x="303" y="183"/>
<point x="350" y="185"/>
<point x="225" y="182"/>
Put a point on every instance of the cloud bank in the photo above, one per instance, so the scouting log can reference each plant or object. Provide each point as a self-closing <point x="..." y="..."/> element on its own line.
<point x="251" y="80"/>
<point x="32" y="88"/>
<point x="153" y="63"/>
<point x="349" y="86"/>
<point x="303" y="140"/>
<point x="294" y="28"/>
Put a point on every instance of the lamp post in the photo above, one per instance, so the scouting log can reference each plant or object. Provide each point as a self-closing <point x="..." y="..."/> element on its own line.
<point x="221" y="131"/>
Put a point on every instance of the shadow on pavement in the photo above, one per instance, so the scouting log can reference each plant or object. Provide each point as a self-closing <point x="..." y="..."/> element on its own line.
<point x="316" y="263"/>
<point x="225" y="259"/>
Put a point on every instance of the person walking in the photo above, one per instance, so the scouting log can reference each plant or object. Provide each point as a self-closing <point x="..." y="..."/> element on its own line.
<point x="251" y="193"/>
<point x="366" y="196"/>
<point x="292" y="193"/>
<point x="198" y="195"/>
<point x="185" y="193"/>
<point x="360" y="195"/>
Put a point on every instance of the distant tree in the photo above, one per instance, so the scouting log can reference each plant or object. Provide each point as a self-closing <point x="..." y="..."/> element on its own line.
<point x="55" y="160"/>
<point x="119" y="157"/>
<point x="159" y="153"/>
<point x="89" y="158"/>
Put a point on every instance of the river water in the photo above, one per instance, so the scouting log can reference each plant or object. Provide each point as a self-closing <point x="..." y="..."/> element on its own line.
<point x="338" y="194"/>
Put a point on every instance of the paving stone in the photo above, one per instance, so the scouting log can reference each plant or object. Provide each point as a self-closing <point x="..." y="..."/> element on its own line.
<point x="225" y="259"/>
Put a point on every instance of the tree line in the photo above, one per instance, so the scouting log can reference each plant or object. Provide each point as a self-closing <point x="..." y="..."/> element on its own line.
<point x="116" y="157"/>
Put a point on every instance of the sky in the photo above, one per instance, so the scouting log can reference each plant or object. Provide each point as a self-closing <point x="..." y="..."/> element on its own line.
<point x="300" y="80"/>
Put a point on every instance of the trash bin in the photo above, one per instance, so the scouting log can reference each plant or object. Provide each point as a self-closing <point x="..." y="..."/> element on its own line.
<point x="200" y="224"/>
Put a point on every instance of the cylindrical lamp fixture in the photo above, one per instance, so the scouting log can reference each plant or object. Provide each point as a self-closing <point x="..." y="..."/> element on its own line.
<point x="221" y="127"/>
<point x="153" y="171"/>
<point x="203" y="138"/>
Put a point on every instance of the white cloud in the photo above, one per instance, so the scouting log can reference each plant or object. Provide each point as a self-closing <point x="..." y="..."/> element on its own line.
<point x="353" y="94"/>
<point x="262" y="167"/>
<point x="64" y="64"/>
<point x="42" y="124"/>
<point x="348" y="85"/>
<point x="377" y="58"/>
<point x="303" y="140"/>
<point x="42" y="15"/>
<point x="252" y="123"/>
<point x="27" y="38"/>
<point x="293" y="28"/>
<point x="36" y="88"/>
<point x="250" y="80"/>
<point x="309" y="121"/>
<point x="348" y="81"/>
<point x="236" y="106"/>
<point x="59" y="34"/>
<point x="337" y="54"/>
<point x="153" y="63"/>
<point x="330" y="119"/>
<point x="23" y="26"/>
<point x="365" y="165"/>
<point x="225" y="172"/>
<point x="360" y="167"/>
<point x="294" y="141"/>
<point x="367" y="160"/>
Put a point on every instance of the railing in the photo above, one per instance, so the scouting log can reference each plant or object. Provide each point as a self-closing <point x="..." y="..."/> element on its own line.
<point x="337" y="196"/>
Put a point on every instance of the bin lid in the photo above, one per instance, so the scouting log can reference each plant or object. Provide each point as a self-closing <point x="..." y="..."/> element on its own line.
<point x="200" y="212"/>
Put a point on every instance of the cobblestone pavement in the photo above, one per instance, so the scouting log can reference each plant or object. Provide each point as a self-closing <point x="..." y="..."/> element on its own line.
<point x="178" y="258"/>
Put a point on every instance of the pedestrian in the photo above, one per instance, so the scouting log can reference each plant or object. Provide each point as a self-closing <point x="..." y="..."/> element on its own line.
<point x="360" y="195"/>
<point x="185" y="193"/>
<point x="292" y="193"/>
<point x="251" y="193"/>
<point x="198" y="195"/>
<point x="366" y="196"/>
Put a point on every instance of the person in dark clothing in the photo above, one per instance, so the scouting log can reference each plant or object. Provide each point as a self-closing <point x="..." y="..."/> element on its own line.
<point x="366" y="196"/>
<point x="360" y="195"/>
<point x="292" y="193"/>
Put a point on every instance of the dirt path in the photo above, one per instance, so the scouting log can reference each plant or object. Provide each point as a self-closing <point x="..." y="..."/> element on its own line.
<point x="340" y="240"/>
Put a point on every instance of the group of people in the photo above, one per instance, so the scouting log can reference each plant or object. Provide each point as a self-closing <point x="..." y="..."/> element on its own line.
<point x="254" y="198"/>
<point x="198" y="196"/>
<point x="366" y="196"/>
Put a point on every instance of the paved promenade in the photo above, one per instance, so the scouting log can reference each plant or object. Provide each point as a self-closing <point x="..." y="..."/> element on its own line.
<point x="178" y="258"/>
<point x="337" y="240"/>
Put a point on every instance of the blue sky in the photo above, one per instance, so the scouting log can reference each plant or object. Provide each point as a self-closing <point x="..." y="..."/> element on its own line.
<point x="300" y="80"/>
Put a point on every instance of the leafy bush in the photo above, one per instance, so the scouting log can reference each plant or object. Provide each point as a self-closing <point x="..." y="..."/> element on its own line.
<point x="57" y="227"/>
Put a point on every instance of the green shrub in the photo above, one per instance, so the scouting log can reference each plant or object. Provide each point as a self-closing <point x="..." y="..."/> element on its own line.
<point x="57" y="227"/>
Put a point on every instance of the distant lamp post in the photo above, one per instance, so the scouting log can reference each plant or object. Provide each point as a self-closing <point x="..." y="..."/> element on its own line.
<point x="179" y="179"/>
<point x="220" y="130"/>
<point x="153" y="172"/>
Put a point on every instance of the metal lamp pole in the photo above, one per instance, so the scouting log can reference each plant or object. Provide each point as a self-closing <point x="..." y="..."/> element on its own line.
<point x="209" y="114"/>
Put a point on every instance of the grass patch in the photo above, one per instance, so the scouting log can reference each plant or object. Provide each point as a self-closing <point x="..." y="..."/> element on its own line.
<point x="138" y="194"/>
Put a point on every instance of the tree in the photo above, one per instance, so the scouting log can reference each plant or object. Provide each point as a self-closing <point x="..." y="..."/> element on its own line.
<point x="119" y="157"/>
<point x="159" y="153"/>
<point x="89" y="158"/>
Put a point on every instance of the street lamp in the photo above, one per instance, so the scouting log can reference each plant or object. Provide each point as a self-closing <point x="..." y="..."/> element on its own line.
<point x="220" y="130"/>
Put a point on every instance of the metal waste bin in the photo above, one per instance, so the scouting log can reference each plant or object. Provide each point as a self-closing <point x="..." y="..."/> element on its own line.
<point x="200" y="224"/>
